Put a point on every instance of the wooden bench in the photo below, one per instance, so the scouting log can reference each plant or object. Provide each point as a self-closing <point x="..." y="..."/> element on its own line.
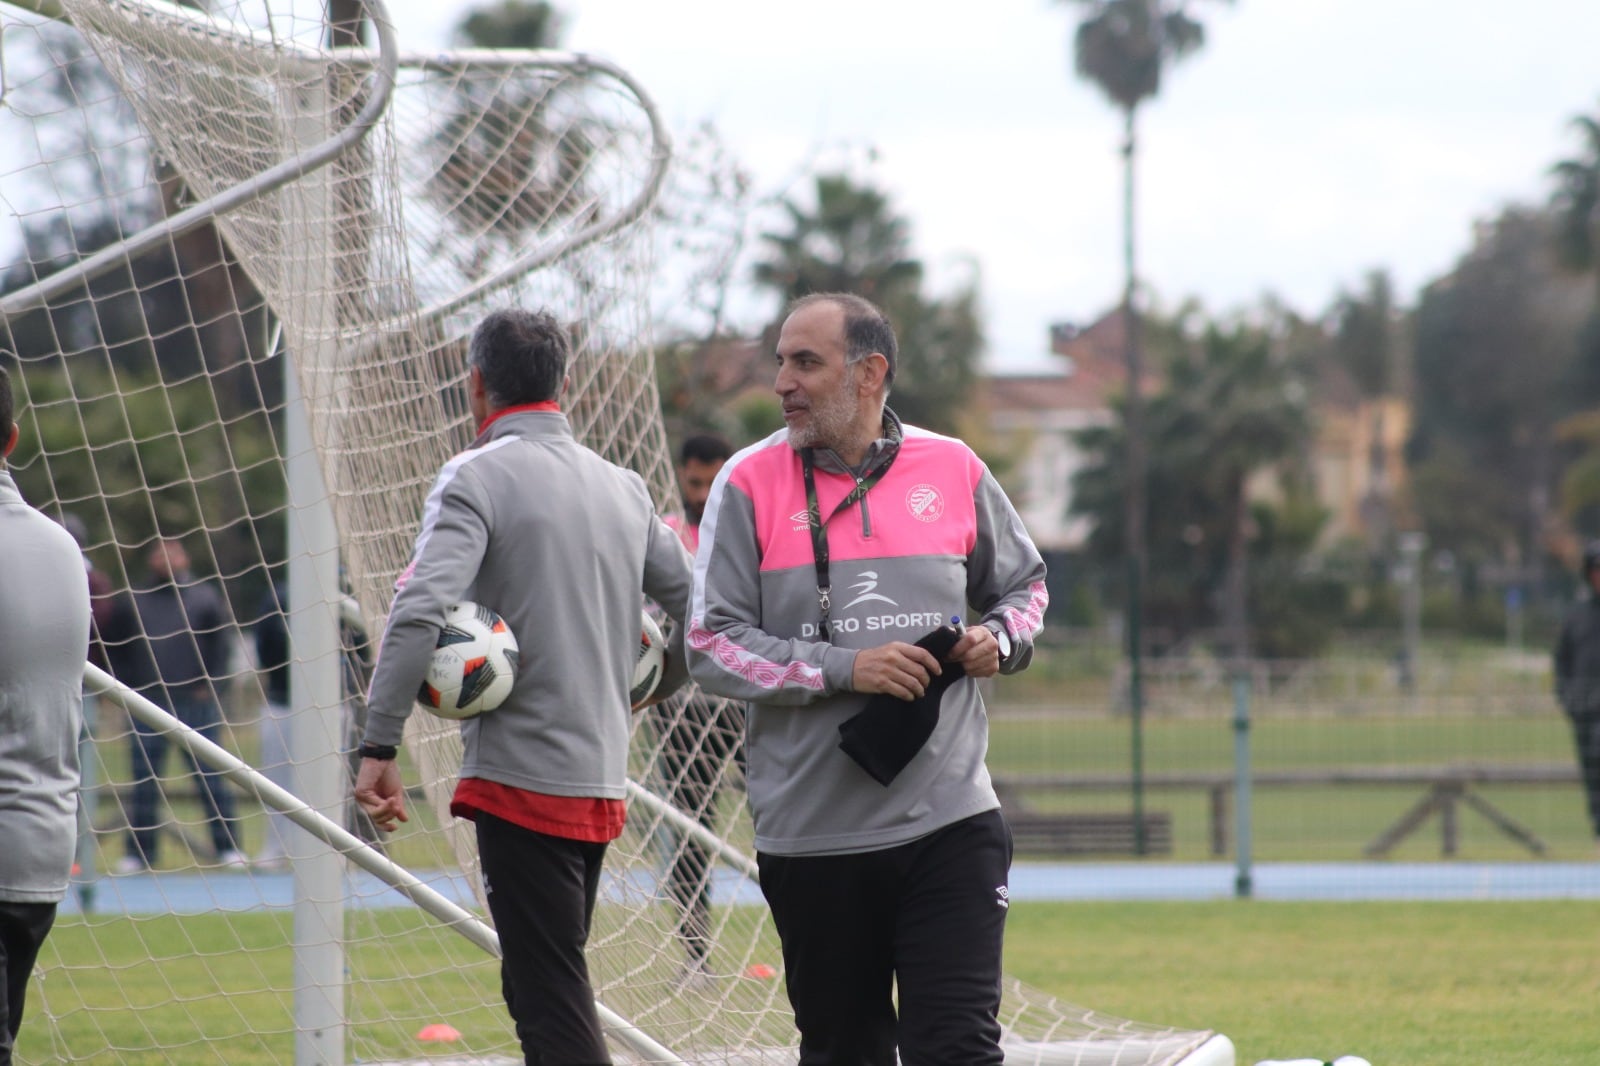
<point x="1036" y="832"/>
<point x="1445" y="788"/>
<point x="1088" y="833"/>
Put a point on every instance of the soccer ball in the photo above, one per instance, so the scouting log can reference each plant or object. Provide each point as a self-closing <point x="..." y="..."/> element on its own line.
<point x="473" y="664"/>
<point x="650" y="662"/>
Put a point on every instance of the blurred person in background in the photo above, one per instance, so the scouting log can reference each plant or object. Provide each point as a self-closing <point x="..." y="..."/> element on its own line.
<point x="168" y="640"/>
<point x="1577" y="679"/>
<point x="700" y="735"/>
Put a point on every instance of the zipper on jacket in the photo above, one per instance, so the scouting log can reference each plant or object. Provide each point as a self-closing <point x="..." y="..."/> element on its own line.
<point x="866" y="515"/>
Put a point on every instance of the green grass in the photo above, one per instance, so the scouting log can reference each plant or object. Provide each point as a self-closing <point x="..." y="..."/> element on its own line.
<point x="1304" y="822"/>
<point x="1513" y="984"/>
<point x="147" y="987"/>
<point x="1419" y="984"/>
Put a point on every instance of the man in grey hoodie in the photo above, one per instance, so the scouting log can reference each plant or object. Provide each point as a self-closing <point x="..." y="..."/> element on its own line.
<point x="44" y="640"/>
<point x="563" y="545"/>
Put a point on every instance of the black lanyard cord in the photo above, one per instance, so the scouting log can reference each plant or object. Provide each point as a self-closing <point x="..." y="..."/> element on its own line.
<point x="819" y="532"/>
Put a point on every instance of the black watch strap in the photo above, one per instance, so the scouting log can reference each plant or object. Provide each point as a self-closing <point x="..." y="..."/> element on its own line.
<point x="382" y="752"/>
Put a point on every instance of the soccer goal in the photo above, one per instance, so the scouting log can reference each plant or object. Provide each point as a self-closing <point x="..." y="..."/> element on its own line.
<point x="241" y="256"/>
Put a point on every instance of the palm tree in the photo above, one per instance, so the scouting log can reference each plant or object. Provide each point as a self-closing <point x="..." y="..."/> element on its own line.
<point x="1123" y="46"/>
<point x="851" y="242"/>
<point x="1234" y="404"/>
<point x="854" y="241"/>
<point x="1577" y="201"/>
<point x="1576" y="207"/>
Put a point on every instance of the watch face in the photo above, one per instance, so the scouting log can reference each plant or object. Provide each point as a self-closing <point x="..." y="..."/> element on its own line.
<point x="1004" y="640"/>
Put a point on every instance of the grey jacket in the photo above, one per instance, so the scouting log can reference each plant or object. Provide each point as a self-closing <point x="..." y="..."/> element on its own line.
<point x="935" y="538"/>
<point x="560" y="542"/>
<point x="44" y="640"/>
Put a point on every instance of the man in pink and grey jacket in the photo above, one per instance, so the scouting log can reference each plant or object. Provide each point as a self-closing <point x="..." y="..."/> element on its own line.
<point x="827" y="551"/>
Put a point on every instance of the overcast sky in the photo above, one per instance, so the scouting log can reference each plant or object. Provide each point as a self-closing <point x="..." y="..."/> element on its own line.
<point x="1308" y="143"/>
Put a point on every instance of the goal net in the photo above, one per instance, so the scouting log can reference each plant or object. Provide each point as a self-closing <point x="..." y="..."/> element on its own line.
<point x="239" y="267"/>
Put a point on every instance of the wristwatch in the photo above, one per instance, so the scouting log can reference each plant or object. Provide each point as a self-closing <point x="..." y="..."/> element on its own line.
<point x="1002" y="638"/>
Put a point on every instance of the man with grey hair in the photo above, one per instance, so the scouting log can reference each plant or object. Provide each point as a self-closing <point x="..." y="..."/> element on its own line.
<point x="563" y="545"/>
<point x="836" y="559"/>
<point x="44" y="640"/>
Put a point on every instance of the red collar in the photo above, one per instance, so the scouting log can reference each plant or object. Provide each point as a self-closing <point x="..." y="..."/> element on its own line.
<point x="542" y="405"/>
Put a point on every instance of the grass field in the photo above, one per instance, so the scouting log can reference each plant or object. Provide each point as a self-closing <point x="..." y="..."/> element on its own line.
<point x="1401" y="984"/>
<point x="1303" y="822"/>
<point x="1472" y="704"/>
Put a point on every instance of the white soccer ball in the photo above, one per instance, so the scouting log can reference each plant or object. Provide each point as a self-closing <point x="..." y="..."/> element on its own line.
<point x="650" y="663"/>
<point x="473" y="666"/>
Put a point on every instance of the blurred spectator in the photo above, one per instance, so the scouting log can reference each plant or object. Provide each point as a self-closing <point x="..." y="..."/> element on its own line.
<point x="700" y="735"/>
<point x="1577" y="677"/>
<point x="169" y="640"/>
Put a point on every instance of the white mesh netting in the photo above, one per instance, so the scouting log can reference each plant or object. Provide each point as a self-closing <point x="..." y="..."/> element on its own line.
<point x="156" y="397"/>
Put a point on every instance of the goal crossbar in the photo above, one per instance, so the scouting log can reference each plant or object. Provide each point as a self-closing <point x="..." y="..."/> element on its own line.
<point x="196" y="215"/>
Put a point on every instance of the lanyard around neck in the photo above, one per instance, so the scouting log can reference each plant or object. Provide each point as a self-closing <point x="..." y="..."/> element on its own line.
<point x="819" y="532"/>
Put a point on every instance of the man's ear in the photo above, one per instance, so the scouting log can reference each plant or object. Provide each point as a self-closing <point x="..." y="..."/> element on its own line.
<point x="11" y="442"/>
<point x="874" y="369"/>
<point x="566" y="383"/>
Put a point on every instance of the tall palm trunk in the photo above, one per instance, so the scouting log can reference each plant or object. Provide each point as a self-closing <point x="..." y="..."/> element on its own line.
<point x="1134" y="515"/>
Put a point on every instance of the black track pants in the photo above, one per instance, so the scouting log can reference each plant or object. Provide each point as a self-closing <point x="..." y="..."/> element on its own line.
<point x="541" y="893"/>
<point x="928" y="916"/>
<point x="23" y="927"/>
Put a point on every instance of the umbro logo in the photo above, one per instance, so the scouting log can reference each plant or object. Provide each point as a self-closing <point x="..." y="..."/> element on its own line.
<point x="1004" y="895"/>
<point x="801" y="519"/>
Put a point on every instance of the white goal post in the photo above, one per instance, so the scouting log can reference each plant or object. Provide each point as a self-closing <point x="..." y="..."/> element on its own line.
<point x="238" y="274"/>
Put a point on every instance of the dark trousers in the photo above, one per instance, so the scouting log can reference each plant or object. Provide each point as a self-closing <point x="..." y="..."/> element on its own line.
<point x="1586" y="737"/>
<point x="23" y="927"/>
<point x="700" y="737"/>
<point x="928" y="916"/>
<point x="541" y="893"/>
<point x="149" y="755"/>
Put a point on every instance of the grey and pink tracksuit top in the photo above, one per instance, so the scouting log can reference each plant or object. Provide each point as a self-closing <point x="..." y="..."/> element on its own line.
<point x="534" y="525"/>
<point x="936" y="538"/>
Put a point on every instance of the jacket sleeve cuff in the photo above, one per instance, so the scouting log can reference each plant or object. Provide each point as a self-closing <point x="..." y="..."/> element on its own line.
<point x="384" y="729"/>
<point x="839" y="669"/>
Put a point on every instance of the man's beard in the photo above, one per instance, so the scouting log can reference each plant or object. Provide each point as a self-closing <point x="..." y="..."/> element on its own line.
<point x="831" y="421"/>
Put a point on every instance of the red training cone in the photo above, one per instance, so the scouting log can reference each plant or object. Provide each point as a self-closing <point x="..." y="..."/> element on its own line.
<point x="439" y="1032"/>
